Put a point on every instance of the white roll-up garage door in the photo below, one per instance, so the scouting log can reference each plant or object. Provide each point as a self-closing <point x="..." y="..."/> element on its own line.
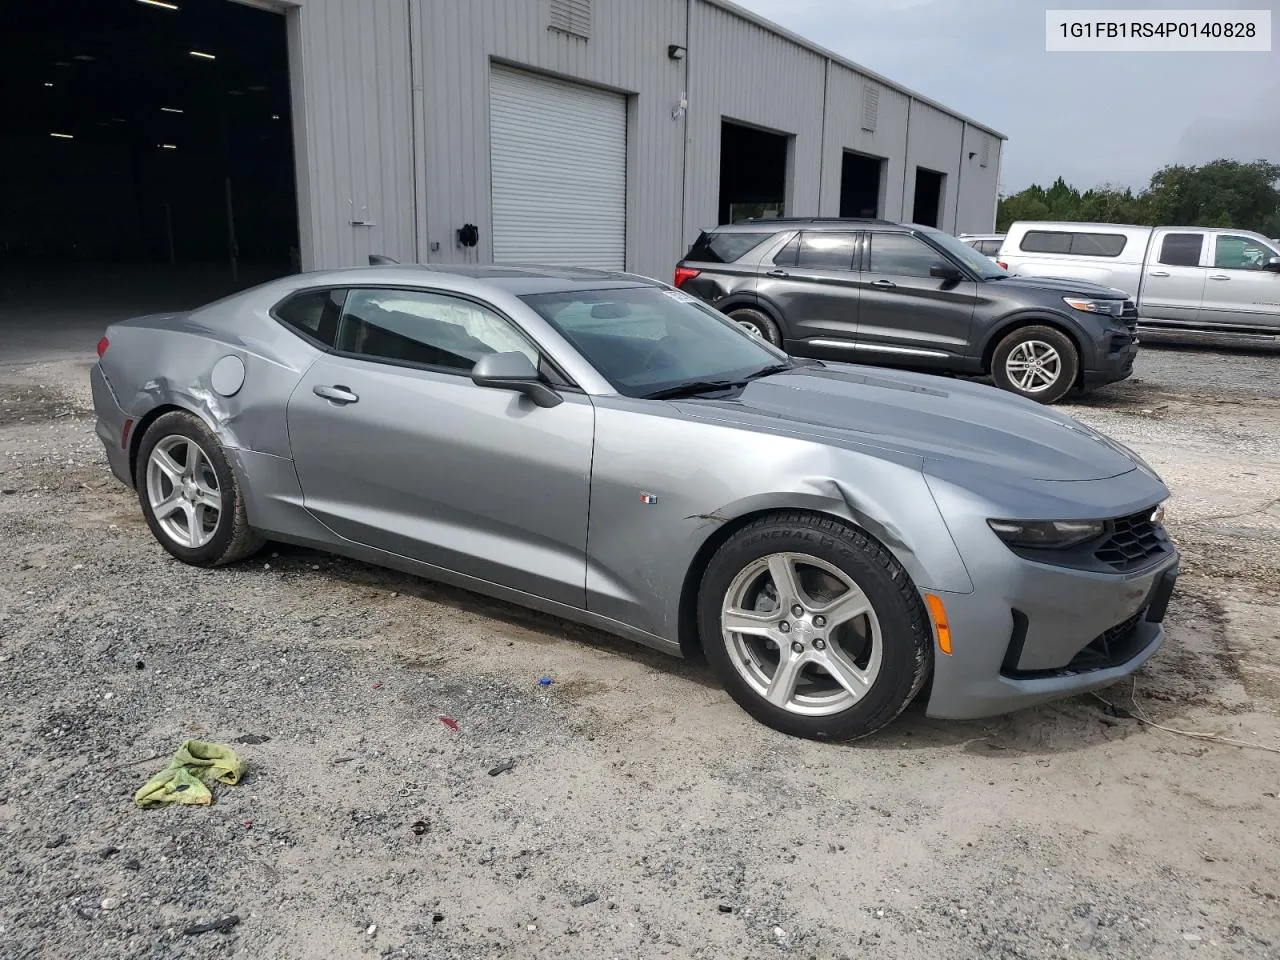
<point x="559" y="154"/>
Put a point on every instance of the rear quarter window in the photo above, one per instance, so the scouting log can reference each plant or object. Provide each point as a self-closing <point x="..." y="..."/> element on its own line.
<point x="313" y="313"/>
<point x="1074" y="243"/>
<point x="725" y="247"/>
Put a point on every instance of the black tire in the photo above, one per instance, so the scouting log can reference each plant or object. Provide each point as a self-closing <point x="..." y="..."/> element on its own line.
<point x="1068" y="369"/>
<point x="232" y="538"/>
<point x="906" y="634"/>
<point x="749" y="317"/>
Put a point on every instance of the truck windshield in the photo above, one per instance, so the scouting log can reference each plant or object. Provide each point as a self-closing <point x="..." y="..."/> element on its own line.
<point x="967" y="255"/>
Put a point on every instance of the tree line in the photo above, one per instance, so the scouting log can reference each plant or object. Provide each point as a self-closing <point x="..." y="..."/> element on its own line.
<point x="1224" y="193"/>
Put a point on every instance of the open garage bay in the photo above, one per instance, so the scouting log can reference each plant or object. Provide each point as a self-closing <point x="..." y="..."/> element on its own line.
<point x="644" y="815"/>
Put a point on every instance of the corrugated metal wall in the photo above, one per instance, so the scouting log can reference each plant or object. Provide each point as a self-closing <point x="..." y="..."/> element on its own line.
<point x="844" y="132"/>
<point x="976" y="210"/>
<point x="740" y="71"/>
<point x="936" y="139"/>
<point x="416" y="161"/>
<point x="352" y="121"/>
<point x="626" y="52"/>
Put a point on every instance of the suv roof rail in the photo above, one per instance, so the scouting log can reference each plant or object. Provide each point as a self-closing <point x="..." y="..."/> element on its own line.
<point x="818" y="220"/>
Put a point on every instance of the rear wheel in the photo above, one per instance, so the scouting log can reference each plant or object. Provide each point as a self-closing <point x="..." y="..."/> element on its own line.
<point x="189" y="494"/>
<point x="1039" y="363"/>
<point x="757" y="323"/>
<point x="813" y="627"/>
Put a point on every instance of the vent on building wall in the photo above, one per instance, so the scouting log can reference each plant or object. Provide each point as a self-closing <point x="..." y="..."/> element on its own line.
<point x="986" y="150"/>
<point x="572" y="17"/>
<point x="870" y="107"/>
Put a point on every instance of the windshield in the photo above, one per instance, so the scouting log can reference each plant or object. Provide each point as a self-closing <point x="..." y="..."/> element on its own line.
<point x="647" y="340"/>
<point x="967" y="255"/>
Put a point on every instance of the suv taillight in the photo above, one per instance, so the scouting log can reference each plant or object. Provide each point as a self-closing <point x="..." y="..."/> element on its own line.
<point x="102" y="346"/>
<point x="1002" y="265"/>
<point x="685" y="274"/>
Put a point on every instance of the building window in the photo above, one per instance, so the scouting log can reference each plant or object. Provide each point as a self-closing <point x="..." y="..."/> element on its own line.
<point x="572" y="17"/>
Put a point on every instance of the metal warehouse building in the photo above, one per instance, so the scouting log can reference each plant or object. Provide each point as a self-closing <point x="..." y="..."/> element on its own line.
<point x="603" y="132"/>
<point x="599" y="132"/>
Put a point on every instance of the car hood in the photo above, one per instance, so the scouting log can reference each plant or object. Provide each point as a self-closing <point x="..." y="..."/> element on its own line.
<point x="954" y="422"/>
<point x="1065" y="286"/>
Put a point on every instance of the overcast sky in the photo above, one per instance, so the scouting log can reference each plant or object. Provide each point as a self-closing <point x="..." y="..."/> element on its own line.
<point x="1092" y="117"/>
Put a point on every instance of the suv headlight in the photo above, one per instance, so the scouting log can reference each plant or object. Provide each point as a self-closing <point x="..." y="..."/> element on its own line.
<point x="1047" y="534"/>
<point x="1107" y="308"/>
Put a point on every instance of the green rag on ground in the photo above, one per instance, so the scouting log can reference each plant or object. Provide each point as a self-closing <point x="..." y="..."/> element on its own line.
<point x="190" y="771"/>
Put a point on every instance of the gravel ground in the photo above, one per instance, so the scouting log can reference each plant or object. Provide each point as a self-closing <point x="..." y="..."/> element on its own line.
<point x="644" y="814"/>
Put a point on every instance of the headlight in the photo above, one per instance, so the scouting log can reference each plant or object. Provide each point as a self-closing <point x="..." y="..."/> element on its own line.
<point x="1046" y="534"/>
<point x="1107" y="308"/>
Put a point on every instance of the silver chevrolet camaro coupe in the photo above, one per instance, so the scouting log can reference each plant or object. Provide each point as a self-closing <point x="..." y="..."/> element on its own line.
<point x="604" y="448"/>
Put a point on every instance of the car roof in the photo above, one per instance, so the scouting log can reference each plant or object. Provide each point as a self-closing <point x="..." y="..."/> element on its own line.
<point x="515" y="279"/>
<point x="778" y="224"/>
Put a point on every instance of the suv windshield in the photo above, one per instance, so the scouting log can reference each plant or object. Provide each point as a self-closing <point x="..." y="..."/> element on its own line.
<point x="649" y="340"/>
<point x="967" y="255"/>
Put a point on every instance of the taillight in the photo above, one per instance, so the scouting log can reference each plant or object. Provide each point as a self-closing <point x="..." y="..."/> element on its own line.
<point x="684" y="275"/>
<point x="1002" y="265"/>
<point x="102" y="346"/>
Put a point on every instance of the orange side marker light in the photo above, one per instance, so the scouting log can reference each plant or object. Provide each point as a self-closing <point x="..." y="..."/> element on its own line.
<point x="939" y="614"/>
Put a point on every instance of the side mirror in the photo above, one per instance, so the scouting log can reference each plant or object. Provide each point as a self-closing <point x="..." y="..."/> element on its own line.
<point x="514" y="371"/>
<point x="1273" y="264"/>
<point x="946" y="271"/>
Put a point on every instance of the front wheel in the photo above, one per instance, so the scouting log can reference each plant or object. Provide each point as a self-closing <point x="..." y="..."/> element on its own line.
<point x="813" y="627"/>
<point x="1039" y="363"/>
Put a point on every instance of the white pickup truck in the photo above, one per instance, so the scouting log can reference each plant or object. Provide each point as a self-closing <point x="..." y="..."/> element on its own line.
<point x="1205" y="279"/>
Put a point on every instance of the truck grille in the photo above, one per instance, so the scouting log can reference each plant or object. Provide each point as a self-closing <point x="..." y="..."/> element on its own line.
<point x="1133" y="542"/>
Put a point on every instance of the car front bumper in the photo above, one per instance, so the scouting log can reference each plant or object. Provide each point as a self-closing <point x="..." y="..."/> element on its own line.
<point x="1114" y="365"/>
<point x="1047" y="632"/>
<point x="113" y="425"/>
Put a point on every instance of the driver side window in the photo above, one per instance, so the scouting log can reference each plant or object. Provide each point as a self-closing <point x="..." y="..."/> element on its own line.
<point x="426" y="329"/>
<point x="901" y="255"/>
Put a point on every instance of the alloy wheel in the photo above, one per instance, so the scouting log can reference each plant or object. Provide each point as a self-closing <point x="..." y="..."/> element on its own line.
<point x="183" y="491"/>
<point x="802" y="634"/>
<point x="1033" y="366"/>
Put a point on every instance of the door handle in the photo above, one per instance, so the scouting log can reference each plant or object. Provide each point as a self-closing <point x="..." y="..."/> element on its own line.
<point x="779" y="273"/>
<point x="336" y="394"/>
<point x="1218" y="276"/>
<point x="1159" y="273"/>
<point x="884" y="284"/>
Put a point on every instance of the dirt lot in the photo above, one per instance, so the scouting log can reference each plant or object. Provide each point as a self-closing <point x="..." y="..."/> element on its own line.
<point x="645" y="815"/>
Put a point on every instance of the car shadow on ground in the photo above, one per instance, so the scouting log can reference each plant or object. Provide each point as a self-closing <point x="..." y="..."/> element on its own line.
<point x="534" y="626"/>
<point x="1074" y="724"/>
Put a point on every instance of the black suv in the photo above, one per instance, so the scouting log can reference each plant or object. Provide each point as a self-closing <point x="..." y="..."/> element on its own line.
<point x="875" y="291"/>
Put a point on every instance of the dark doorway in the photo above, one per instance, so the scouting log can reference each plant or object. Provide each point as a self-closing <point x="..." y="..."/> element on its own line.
<point x="861" y="177"/>
<point x="927" y="209"/>
<point x="753" y="173"/>
<point x="154" y="146"/>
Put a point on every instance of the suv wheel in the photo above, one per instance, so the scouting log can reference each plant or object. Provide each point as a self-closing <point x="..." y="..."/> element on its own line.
<point x="757" y="324"/>
<point x="1039" y="363"/>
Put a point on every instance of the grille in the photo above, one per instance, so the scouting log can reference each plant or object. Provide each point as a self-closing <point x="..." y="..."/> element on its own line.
<point x="1112" y="648"/>
<point x="1129" y="314"/>
<point x="1132" y="542"/>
